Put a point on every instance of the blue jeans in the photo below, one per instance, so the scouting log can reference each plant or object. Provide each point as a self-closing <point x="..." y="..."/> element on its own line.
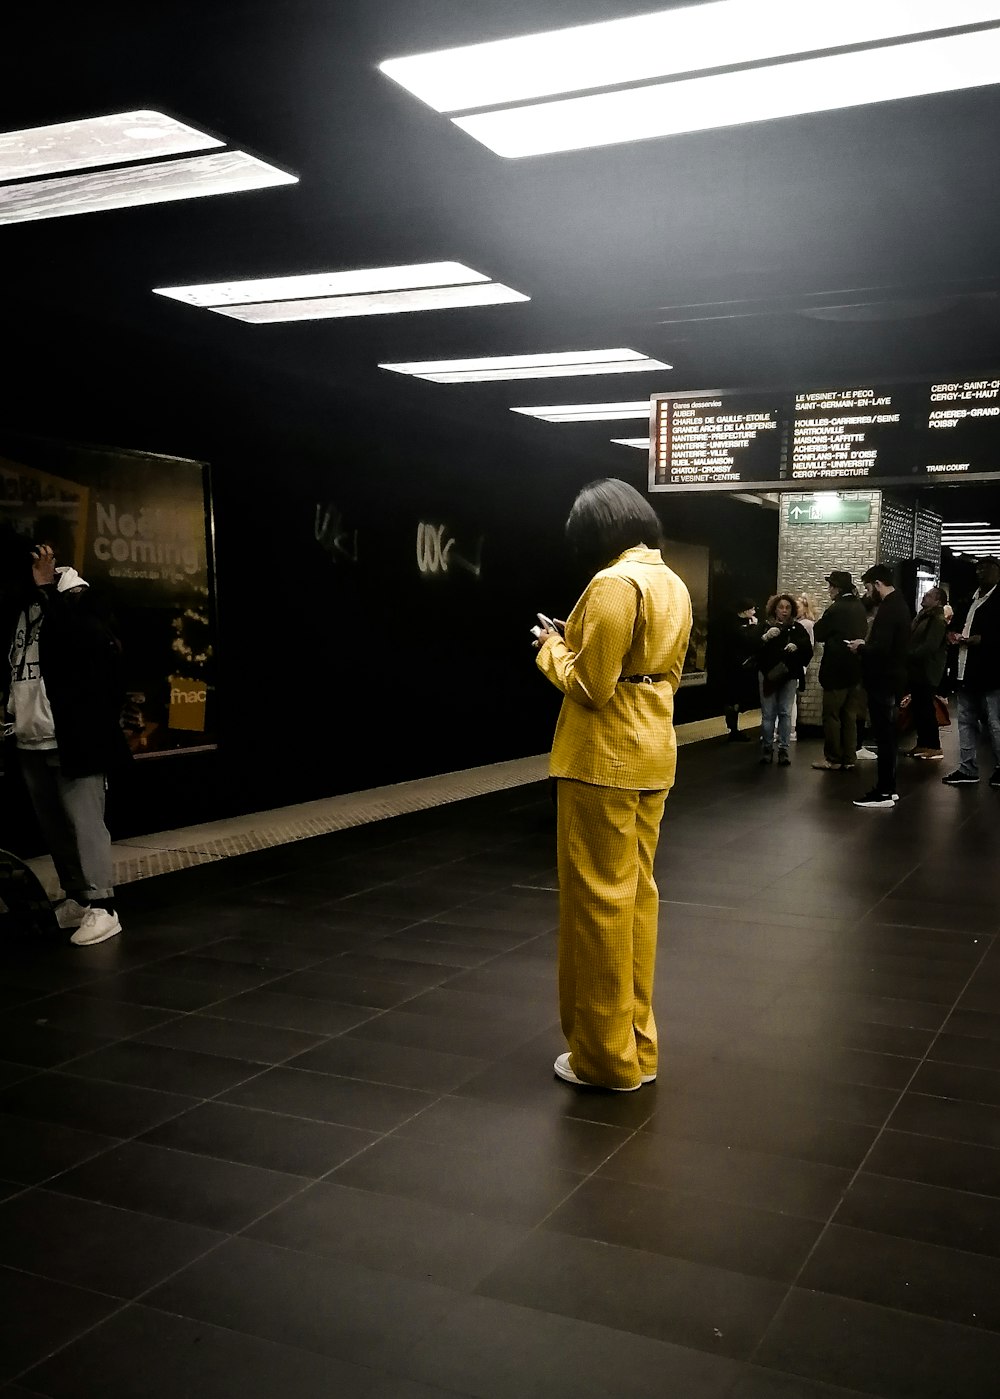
<point x="974" y="705"/>
<point x="778" y="705"/>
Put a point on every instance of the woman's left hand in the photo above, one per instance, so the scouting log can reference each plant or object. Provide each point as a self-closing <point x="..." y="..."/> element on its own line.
<point x="791" y="646"/>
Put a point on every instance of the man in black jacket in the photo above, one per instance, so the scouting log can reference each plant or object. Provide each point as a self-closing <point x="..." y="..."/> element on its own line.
<point x="64" y="700"/>
<point x="978" y="675"/>
<point x="883" y="664"/>
<point x="840" y="673"/>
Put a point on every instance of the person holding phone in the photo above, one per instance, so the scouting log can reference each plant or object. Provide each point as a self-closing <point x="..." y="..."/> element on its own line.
<point x="614" y="757"/>
<point x="883" y="662"/>
<point x="64" y="699"/>
<point x="783" y="652"/>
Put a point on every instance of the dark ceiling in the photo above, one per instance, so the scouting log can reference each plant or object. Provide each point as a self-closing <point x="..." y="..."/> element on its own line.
<point x="854" y="245"/>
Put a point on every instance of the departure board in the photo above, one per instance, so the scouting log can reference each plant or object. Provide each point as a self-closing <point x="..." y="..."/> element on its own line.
<point x="847" y="433"/>
<point x="713" y="439"/>
<point x="825" y="438"/>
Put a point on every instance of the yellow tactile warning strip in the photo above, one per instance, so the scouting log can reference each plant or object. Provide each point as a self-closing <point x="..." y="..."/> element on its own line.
<point x="141" y="857"/>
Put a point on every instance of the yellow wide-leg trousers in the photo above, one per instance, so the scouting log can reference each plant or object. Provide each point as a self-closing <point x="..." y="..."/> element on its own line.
<point x="608" y="912"/>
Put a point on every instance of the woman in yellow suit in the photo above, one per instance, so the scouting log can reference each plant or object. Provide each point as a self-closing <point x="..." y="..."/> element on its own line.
<point x="615" y="756"/>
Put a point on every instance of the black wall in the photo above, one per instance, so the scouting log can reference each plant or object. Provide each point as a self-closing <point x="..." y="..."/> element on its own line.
<point x="338" y="674"/>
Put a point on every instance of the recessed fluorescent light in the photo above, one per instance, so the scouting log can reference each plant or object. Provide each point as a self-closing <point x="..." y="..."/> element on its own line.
<point x="383" y="303"/>
<point x="544" y="366"/>
<point x="663" y="44"/>
<point x="222" y="172"/>
<point x="110" y="140"/>
<point x="312" y="284"/>
<point x="968" y="524"/>
<point x="587" y="412"/>
<point x="631" y="441"/>
<point x="751" y="94"/>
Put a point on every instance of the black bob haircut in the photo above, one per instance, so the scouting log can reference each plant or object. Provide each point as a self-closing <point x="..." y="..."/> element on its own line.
<point x="607" y="518"/>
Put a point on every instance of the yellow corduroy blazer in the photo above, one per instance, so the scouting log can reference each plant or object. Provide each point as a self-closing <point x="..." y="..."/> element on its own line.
<point x="634" y="618"/>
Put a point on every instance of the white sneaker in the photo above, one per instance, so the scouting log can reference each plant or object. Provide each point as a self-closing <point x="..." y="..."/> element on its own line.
<point x="874" y="800"/>
<point x="867" y="755"/>
<point x="563" y="1071"/>
<point x="97" y="925"/>
<point x="69" y="914"/>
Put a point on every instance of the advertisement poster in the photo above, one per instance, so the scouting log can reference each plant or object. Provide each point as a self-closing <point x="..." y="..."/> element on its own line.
<point x="691" y="563"/>
<point x="137" y="527"/>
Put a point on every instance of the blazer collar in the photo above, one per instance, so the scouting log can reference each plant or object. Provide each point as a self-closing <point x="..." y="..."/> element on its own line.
<point x="639" y="553"/>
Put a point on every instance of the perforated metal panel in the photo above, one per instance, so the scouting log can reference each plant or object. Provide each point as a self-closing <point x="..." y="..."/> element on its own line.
<point x="928" y="537"/>
<point x="895" y="536"/>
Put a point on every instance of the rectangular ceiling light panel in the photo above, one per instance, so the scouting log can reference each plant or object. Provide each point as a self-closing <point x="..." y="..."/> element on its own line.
<point x="587" y="412"/>
<point x="752" y="94"/>
<point x="555" y="371"/>
<point x="223" y="172"/>
<point x="322" y="284"/>
<point x="542" y="366"/>
<point x="377" y="304"/>
<point x="664" y="44"/>
<point x="631" y="441"/>
<point x="110" y="140"/>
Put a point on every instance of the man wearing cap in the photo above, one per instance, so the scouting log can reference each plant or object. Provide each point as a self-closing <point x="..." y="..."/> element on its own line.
<point x="978" y="674"/>
<point x="840" y="673"/>
<point x="883" y="667"/>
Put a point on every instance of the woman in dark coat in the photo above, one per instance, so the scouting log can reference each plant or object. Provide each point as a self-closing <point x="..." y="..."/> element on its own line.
<point x="731" y="639"/>
<point x="783" y="652"/>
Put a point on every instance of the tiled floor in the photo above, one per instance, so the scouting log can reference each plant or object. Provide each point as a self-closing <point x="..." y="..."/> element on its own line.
<point x="297" y="1133"/>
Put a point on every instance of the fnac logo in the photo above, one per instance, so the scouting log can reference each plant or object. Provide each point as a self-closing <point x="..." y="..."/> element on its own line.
<point x="188" y="704"/>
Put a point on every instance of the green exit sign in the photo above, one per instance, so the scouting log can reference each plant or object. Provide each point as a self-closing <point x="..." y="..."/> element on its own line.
<point x="829" y="512"/>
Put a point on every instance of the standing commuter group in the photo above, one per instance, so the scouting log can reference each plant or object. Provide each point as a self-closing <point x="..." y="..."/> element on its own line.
<point x="880" y="669"/>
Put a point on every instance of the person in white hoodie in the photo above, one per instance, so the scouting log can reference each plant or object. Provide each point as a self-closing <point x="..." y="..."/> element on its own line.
<point x="64" y="703"/>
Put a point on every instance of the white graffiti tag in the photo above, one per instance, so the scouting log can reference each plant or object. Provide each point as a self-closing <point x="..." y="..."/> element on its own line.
<point x="433" y="550"/>
<point x="332" y="535"/>
<point x="436" y="552"/>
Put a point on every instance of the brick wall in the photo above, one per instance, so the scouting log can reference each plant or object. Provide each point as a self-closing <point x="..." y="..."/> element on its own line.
<point x="807" y="553"/>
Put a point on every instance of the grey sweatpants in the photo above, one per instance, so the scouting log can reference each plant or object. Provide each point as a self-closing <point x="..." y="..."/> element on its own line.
<point x="70" y="812"/>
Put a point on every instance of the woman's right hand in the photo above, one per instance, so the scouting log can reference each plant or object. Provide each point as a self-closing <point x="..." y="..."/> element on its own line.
<point x="771" y="633"/>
